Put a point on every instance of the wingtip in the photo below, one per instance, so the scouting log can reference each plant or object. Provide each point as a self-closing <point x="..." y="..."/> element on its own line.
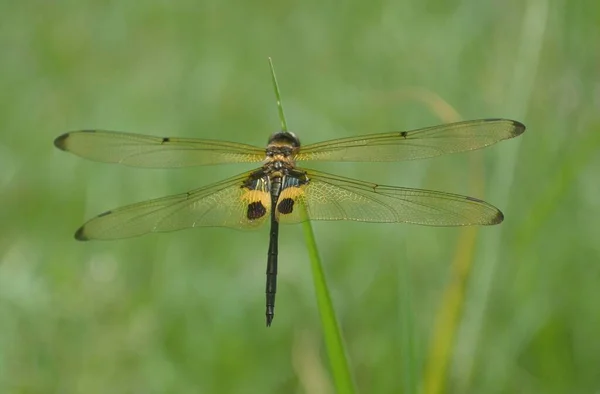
<point x="516" y="128"/>
<point x="519" y="128"/>
<point x="80" y="234"/>
<point x="498" y="218"/>
<point x="495" y="217"/>
<point x="61" y="141"/>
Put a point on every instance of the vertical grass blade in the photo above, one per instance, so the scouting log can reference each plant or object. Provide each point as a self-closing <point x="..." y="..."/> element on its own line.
<point x="449" y="315"/>
<point x="333" y="339"/>
<point x="450" y="312"/>
<point x="527" y="60"/>
<point x="278" y="97"/>
<point x="406" y="326"/>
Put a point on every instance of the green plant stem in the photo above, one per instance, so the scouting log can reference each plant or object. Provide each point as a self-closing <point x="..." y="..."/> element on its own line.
<point x="338" y="362"/>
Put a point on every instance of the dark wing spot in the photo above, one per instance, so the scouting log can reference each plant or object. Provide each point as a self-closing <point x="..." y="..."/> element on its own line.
<point x="285" y="206"/>
<point x="104" y="213"/>
<point x="403" y="134"/>
<point x="80" y="234"/>
<point x="165" y="139"/>
<point x="256" y="210"/>
<point x="474" y="199"/>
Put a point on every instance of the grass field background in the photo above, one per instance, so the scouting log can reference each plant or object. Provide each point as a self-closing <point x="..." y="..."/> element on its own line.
<point x="506" y="309"/>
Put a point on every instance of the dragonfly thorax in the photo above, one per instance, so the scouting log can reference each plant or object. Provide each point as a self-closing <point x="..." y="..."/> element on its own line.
<point x="281" y="150"/>
<point x="278" y="165"/>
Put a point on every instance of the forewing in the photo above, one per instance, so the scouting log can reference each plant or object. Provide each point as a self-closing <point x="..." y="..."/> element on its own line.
<point x="154" y="152"/>
<point x="225" y="204"/>
<point x="416" y="144"/>
<point x="330" y="197"/>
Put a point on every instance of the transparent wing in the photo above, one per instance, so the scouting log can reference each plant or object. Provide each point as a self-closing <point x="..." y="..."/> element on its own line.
<point x="330" y="197"/>
<point x="416" y="144"/>
<point x="154" y="152"/>
<point x="225" y="204"/>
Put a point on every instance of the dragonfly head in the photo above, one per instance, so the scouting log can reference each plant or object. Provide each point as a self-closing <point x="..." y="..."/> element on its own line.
<point x="284" y="138"/>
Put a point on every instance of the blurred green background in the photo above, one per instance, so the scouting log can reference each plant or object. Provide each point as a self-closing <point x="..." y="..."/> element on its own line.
<point x="184" y="312"/>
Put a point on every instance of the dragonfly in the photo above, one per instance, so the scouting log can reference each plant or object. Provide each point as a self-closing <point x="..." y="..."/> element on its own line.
<point x="279" y="191"/>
